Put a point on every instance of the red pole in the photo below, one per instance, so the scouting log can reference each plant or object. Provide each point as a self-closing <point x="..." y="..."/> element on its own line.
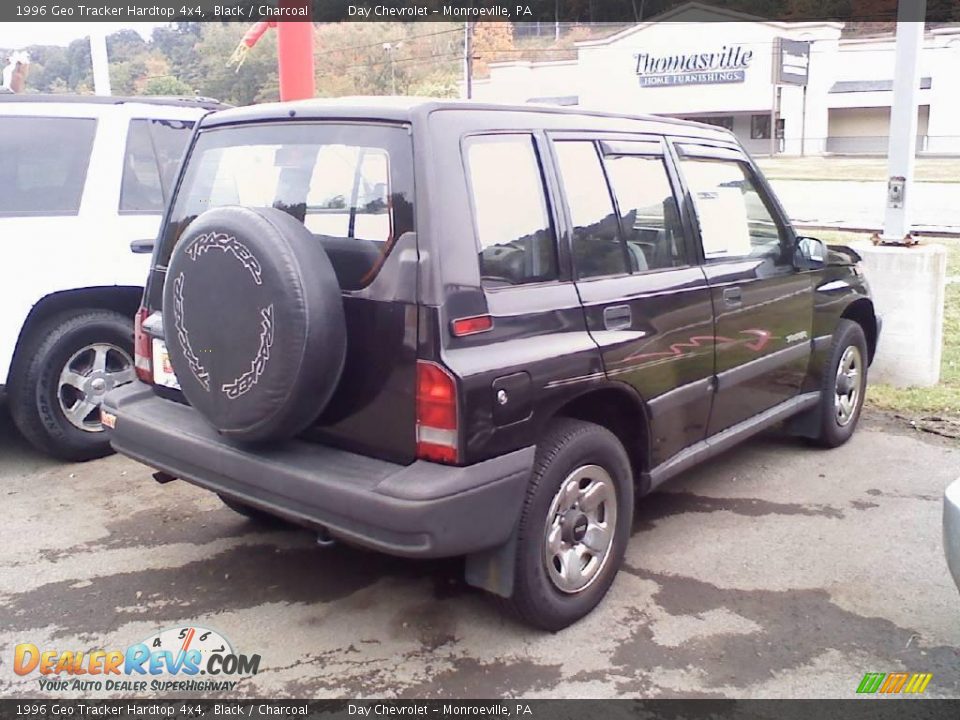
<point x="295" y="50"/>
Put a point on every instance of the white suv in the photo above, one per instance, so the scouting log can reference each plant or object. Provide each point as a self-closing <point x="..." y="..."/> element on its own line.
<point x="83" y="181"/>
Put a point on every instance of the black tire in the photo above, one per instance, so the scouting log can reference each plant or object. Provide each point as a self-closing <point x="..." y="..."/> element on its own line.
<point x="833" y="431"/>
<point x="35" y="392"/>
<point x="567" y="446"/>
<point x="254" y="322"/>
<point x="256" y="515"/>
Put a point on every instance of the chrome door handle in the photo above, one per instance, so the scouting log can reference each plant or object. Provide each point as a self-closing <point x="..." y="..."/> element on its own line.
<point x="732" y="296"/>
<point x="617" y="317"/>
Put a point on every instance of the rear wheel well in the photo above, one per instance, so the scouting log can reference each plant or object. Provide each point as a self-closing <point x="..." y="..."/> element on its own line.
<point x="122" y="299"/>
<point x="620" y="414"/>
<point x="861" y="312"/>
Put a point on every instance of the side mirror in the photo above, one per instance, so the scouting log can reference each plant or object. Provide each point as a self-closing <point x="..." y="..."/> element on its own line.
<point x="812" y="250"/>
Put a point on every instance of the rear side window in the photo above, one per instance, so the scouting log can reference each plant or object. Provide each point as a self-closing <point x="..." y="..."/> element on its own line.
<point x="150" y="163"/>
<point x="43" y="164"/>
<point x="516" y="237"/>
<point x="350" y="185"/>
<point x="598" y="249"/>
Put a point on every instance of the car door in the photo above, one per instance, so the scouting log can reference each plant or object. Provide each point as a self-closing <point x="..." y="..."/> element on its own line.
<point x="763" y="305"/>
<point x="45" y="209"/>
<point x="645" y="298"/>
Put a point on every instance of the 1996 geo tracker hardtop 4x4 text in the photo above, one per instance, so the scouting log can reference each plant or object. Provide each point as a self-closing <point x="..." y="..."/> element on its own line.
<point x="443" y="328"/>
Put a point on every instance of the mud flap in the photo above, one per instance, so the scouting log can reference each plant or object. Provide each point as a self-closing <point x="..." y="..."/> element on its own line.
<point x="492" y="570"/>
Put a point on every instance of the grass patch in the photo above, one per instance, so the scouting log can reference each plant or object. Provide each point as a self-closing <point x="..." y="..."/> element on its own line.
<point x="855" y="169"/>
<point x="942" y="400"/>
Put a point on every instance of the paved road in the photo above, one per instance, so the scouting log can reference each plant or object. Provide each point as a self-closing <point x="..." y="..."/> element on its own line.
<point x="861" y="204"/>
<point x="776" y="571"/>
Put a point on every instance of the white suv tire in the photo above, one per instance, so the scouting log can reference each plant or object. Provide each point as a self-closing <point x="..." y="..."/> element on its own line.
<point x="60" y="376"/>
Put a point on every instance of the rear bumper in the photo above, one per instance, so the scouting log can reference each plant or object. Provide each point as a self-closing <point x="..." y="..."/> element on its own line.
<point x="419" y="510"/>
<point x="951" y="529"/>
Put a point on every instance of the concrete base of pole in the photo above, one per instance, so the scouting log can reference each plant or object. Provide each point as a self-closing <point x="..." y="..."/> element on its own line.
<point x="908" y="289"/>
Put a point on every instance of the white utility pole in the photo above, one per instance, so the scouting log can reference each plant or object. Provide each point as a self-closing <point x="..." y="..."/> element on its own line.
<point x="390" y="49"/>
<point x="101" y="66"/>
<point x="908" y="282"/>
<point x="902" y="151"/>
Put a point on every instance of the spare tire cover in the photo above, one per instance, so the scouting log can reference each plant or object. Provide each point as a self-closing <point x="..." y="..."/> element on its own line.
<point x="254" y="322"/>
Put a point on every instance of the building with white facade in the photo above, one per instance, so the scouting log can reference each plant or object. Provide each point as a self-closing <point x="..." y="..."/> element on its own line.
<point x="832" y="96"/>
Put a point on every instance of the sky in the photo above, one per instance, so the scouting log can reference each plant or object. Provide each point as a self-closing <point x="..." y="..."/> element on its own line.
<point x="21" y="34"/>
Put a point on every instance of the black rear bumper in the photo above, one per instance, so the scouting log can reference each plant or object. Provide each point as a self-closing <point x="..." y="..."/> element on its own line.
<point x="419" y="510"/>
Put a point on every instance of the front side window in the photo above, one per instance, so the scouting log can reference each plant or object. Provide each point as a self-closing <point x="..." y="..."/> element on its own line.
<point x="598" y="248"/>
<point x="735" y="221"/>
<point x="150" y="163"/>
<point x="650" y="218"/>
<point x="350" y="185"/>
<point x="516" y="238"/>
<point x="43" y="164"/>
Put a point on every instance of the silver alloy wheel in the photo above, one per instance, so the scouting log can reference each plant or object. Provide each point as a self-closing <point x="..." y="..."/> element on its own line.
<point x="580" y="527"/>
<point x="89" y="375"/>
<point x="849" y="385"/>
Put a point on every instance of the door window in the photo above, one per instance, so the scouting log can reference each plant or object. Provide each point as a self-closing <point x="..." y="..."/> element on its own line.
<point x="150" y="163"/>
<point x="650" y="219"/>
<point x="43" y="164"/>
<point x="598" y="247"/>
<point x="517" y="242"/>
<point x="735" y="221"/>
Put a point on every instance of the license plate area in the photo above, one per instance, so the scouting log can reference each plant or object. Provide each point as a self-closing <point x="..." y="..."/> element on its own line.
<point x="162" y="369"/>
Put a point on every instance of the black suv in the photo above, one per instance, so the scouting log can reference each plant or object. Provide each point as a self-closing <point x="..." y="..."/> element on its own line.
<point x="443" y="328"/>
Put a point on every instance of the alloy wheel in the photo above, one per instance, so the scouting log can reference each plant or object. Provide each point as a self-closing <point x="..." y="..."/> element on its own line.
<point x="580" y="527"/>
<point x="87" y="376"/>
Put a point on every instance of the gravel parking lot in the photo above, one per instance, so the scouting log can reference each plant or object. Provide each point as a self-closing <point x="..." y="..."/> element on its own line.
<point x="775" y="571"/>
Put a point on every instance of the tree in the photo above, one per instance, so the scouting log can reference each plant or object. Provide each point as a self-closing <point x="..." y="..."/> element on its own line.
<point x="167" y="86"/>
<point x="80" y="65"/>
<point x="492" y="42"/>
<point x="255" y="81"/>
<point x="125" y="45"/>
<point x="125" y="77"/>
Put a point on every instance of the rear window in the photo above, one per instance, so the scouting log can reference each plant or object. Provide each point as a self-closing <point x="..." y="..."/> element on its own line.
<point x="350" y="185"/>
<point x="150" y="163"/>
<point x="43" y="164"/>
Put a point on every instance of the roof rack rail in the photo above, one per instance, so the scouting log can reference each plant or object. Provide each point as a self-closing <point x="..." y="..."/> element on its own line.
<point x="182" y="101"/>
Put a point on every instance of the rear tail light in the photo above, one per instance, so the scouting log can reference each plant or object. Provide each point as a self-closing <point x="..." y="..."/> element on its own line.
<point x="436" y="413"/>
<point x="141" y="348"/>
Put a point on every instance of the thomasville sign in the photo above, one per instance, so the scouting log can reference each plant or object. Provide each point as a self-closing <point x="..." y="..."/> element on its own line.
<point x="727" y="66"/>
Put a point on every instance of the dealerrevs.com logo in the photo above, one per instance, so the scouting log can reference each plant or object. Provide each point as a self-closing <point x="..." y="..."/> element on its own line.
<point x="193" y="659"/>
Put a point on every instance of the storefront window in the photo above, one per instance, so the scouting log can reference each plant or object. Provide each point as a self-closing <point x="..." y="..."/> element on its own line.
<point x="760" y="127"/>
<point x="723" y="121"/>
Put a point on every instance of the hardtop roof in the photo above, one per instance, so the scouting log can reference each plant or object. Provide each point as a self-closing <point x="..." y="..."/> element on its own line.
<point x="413" y="109"/>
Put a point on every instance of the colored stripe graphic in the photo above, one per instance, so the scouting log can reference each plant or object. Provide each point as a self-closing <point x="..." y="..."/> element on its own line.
<point x="918" y="682"/>
<point x="871" y="682"/>
<point x="893" y="683"/>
